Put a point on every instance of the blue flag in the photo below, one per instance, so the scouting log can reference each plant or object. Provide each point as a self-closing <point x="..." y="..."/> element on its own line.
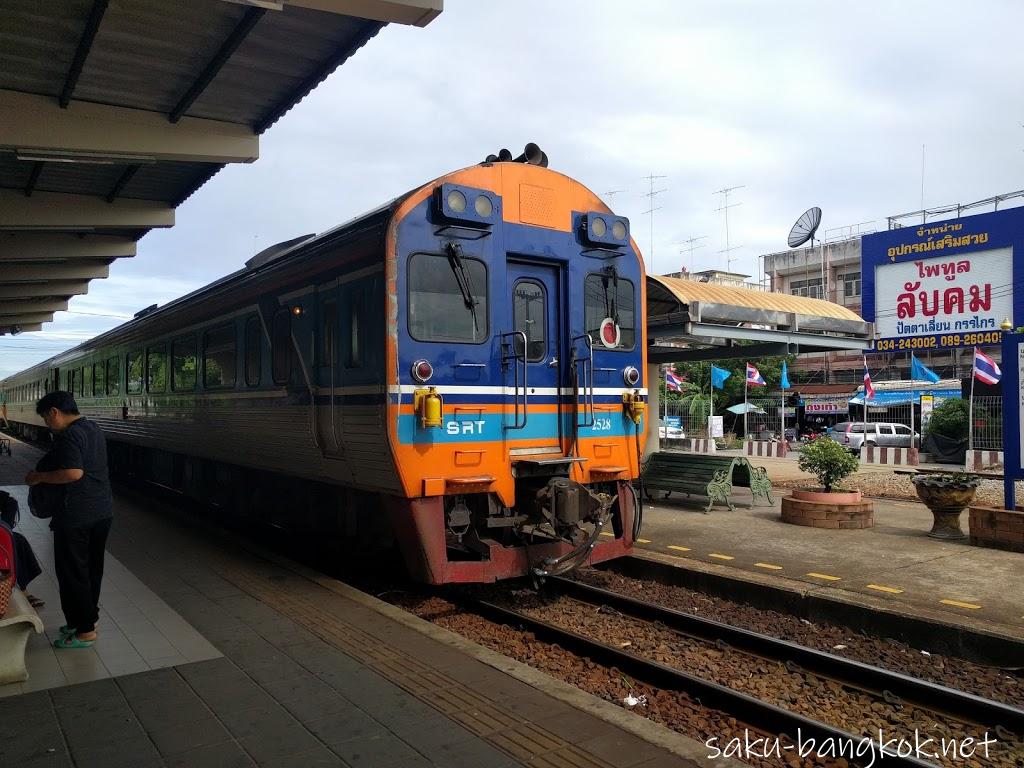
<point x="718" y="377"/>
<point x="919" y="371"/>
<point x="784" y="381"/>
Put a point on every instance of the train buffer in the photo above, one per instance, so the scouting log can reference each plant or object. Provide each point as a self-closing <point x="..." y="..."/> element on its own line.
<point x="706" y="475"/>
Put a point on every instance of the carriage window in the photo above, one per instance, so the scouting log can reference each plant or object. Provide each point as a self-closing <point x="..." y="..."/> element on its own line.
<point x="328" y="338"/>
<point x="113" y="376"/>
<point x="86" y="381"/>
<point x="156" y="368"/>
<point x="529" y="315"/>
<point x="605" y="295"/>
<point x="78" y="381"/>
<point x="253" y="355"/>
<point x="219" y="357"/>
<point x="354" y="358"/>
<point x="183" y="370"/>
<point x="99" y="379"/>
<point x="281" y="346"/>
<point x="447" y="299"/>
<point x="133" y="366"/>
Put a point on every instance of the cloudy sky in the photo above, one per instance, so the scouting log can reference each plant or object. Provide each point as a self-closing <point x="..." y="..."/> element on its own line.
<point x="801" y="103"/>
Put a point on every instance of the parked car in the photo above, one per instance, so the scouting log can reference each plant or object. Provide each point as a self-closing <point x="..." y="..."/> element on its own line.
<point x="851" y="434"/>
<point x="671" y="433"/>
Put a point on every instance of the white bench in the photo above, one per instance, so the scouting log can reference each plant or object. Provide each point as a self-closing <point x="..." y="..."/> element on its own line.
<point x="15" y="627"/>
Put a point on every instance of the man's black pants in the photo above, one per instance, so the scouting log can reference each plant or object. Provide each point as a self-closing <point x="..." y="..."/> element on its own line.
<point x="78" y="558"/>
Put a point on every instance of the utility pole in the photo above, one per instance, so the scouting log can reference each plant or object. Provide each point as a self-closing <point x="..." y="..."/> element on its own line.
<point x="652" y="194"/>
<point x="691" y="246"/>
<point x="724" y="207"/>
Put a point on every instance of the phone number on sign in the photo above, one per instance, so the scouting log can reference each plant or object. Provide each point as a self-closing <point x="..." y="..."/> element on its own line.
<point x="935" y="342"/>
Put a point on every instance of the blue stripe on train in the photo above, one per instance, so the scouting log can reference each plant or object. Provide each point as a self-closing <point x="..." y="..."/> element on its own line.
<point x="475" y="427"/>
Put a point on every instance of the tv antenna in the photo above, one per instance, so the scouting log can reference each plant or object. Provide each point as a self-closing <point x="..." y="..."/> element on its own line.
<point x="805" y="227"/>
<point x="724" y="207"/>
<point x="691" y="246"/>
<point x="650" y="211"/>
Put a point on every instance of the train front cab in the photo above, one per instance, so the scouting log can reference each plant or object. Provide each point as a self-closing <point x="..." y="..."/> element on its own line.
<point x="516" y="412"/>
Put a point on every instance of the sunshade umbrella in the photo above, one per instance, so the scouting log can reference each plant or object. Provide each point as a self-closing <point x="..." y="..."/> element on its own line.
<point x="744" y="408"/>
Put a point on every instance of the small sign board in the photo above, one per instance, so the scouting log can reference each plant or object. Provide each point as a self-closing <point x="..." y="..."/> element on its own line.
<point x="717" y="426"/>
<point x="927" y="406"/>
<point x="673" y="421"/>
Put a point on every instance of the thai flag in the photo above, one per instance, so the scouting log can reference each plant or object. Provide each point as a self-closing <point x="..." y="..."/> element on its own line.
<point x="985" y="369"/>
<point x="754" y="377"/>
<point x="672" y="382"/>
<point x="869" y="391"/>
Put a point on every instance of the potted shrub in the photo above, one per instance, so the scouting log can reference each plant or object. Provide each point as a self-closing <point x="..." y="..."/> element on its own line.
<point x="827" y="506"/>
<point x="946" y="494"/>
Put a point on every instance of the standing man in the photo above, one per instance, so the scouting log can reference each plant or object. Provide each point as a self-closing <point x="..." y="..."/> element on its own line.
<point x="81" y="526"/>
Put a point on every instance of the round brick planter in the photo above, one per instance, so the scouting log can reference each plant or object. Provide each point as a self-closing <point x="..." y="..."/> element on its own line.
<point x="841" y="510"/>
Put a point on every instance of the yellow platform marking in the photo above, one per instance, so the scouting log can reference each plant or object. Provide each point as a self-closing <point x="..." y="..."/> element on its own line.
<point x="720" y="557"/>
<point x="769" y="566"/>
<point x="643" y="541"/>
<point x="883" y="588"/>
<point x="824" y="576"/>
<point x="608" y="533"/>
<point x="959" y="604"/>
<point x="678" y="549"/>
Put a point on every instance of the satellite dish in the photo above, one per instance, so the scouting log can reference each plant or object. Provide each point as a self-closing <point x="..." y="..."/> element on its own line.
<point x="805" y="227"/>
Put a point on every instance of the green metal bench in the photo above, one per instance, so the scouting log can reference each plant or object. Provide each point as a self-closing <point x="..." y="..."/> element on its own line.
<point x="704" y="474"/>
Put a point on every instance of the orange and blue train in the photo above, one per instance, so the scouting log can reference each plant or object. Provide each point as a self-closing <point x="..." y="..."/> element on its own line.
<point x="462" y="368"/>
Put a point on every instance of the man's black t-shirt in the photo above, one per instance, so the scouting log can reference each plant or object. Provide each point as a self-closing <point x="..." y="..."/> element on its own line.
<point x="89" y="500"/>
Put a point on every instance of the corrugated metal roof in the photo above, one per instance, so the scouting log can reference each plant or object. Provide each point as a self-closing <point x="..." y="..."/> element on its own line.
<point x="686" y="291"/>
<point x="230" y="62"/>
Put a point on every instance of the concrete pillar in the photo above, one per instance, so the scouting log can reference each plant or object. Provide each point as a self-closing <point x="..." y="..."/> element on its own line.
<point x="653" y="410"/>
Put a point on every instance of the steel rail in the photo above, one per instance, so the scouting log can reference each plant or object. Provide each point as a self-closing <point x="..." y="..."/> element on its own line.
<point x="747" y="709"/>
<point x="888" y="684"/>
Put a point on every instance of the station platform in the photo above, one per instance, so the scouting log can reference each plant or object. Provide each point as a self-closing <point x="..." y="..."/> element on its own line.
<point x="893" y="566"/>
<point x="212" y="652"/>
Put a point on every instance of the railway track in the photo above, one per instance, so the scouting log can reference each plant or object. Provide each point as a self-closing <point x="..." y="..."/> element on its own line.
<point x="590" y="622"/>
<point x="1005" y="720"/>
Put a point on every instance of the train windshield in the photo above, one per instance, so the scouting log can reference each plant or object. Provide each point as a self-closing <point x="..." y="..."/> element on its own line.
<point x="608" y="295"/>
<point x="447" y="298"/>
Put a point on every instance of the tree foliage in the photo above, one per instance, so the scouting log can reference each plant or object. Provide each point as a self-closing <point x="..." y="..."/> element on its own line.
<point x="949" y="419"/>
<point x="828" y="461"/>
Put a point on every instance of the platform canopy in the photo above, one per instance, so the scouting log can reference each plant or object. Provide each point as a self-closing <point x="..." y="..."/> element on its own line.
<point x="691" y="320"/>
<point x="113" y="113"/>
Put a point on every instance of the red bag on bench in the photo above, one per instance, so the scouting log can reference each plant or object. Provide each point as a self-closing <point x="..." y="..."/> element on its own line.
<point x="7" y="575"/>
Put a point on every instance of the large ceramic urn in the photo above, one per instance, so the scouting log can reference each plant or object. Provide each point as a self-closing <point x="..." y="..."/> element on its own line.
<point x="946" y="495"/>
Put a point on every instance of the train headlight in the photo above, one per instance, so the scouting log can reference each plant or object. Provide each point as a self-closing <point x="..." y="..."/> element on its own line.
<point x="605" y="229"/>
<point x="483" y="206"/>
<point x="631" y="376"/>
<point x="468" y="205"/>
<point x="422" y="370"/>
<point x="456" y="201"/>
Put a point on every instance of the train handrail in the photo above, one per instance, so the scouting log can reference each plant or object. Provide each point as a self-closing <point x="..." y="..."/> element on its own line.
<point x="588" y="366"/>
<point x="517" y="358"/>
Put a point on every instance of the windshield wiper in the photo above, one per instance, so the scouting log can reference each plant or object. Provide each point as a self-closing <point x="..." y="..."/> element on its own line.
<point x="464" y="281"/>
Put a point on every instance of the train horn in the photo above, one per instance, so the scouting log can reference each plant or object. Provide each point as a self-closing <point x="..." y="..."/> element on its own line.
<point x="504" y="155"/>
<point x="531" y="154"/>
<point x="491" y="159"/>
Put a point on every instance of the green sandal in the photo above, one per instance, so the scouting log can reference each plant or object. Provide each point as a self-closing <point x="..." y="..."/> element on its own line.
<point x="71" y="641"/>
<point x="66" y="630"/>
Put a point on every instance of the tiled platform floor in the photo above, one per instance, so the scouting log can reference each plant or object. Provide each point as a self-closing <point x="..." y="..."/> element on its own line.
<point x="139" y="631"/>
<point x="308" y="677"/>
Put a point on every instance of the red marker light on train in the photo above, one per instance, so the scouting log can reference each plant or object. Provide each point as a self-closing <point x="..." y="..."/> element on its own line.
<point x="422" y="371"/>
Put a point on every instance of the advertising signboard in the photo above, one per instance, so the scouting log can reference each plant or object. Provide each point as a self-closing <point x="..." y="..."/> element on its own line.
<point x="944" y="284"/>
<point x="717" y="426"/>
<point x="1013" y="414"/>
